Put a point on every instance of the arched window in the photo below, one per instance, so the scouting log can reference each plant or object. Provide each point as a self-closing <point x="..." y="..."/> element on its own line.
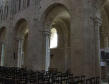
<point x="53" y="38"/>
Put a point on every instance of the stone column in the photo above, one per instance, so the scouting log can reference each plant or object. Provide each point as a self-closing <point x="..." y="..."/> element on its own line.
<point x="20" y="53"/>
<point x="97" y="22"/>
<point x="47" y="58"/>
<point x="2" y="54"/>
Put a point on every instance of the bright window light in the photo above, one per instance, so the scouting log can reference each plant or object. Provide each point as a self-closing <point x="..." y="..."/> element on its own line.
<point x="53" y="38"/>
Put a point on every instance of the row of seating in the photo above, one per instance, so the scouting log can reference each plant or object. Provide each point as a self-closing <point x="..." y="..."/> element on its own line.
<point x="13" y="75"/>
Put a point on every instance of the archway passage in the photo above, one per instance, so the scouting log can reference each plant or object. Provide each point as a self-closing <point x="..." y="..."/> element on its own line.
<point x="2" y="45"/>
<point x="104" y="40"/>
<point x="58" y="50"/>
<point x="22" y="31"/>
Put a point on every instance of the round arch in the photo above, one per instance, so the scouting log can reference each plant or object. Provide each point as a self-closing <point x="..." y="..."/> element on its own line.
<point x="50" y="8"/>
<point x="21" y="42"/>
<point x="103" y="2"/>
<point x="57" y="16"/>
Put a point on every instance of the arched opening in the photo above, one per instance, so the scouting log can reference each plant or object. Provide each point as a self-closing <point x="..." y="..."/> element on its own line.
<point x="57" y="29"/>
<point x="104" y="41"/>
<point x="21" y="43"/>
<point x="2" y="45"/>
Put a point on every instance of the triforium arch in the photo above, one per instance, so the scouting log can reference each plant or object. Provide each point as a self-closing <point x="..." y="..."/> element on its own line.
<point x="21" y="42"/>
<point x="2" y="45"/>
<point x="57" y="18"/>
<point x="104" y="38"/>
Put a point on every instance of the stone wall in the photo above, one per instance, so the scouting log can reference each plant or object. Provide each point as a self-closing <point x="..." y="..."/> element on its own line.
<point x="84" y="57"/>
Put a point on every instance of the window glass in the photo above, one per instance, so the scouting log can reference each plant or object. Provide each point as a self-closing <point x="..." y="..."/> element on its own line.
<point x="53" y="38"/>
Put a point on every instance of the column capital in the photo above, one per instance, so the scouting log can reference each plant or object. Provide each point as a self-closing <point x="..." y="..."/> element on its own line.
<point x="19" y="38"/>
<point x="97" y="20"/>
<point x="46" y="32"/>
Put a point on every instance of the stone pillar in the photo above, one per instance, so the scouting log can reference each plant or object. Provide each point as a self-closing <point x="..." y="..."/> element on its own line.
<point x="97" y="22"/>
<point x="2" y="54"/>
<point x="20" y="53"/>
<point x="47" y="58"/>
